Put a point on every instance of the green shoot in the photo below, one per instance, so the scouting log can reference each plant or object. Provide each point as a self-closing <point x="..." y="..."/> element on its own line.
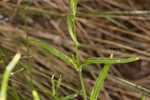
<point x="35" y="95"/>
<point x="6" y="76"/>
<point x="58" y="83"/>
<point x="72" y="34"/>
<point x="53" y="85"/>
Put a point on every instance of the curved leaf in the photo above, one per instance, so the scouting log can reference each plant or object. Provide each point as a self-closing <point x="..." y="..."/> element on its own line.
<point x="6" y="76"/>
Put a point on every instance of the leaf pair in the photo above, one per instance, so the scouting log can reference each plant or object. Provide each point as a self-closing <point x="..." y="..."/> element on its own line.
<point x="70" y="61"/>
<point x="55" y="86"/>
<point x="101" y="76"/>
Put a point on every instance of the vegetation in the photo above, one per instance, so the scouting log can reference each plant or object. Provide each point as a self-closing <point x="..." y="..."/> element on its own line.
<point x="40" y="59"/>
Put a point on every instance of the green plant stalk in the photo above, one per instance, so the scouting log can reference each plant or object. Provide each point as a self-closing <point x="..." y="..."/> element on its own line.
<point x="53" y="85"/>
<point x="82" y="83"/>
<point x="73" y="7"/>
<point x="76" y="43"/>
<point x="6" y="76"/>
<point x="58" y="83"/>
<point x="28" y="50"/>
<point x="77" y="55"/>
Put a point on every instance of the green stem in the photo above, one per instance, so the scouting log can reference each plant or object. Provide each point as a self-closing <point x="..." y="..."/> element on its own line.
<point x="9" y="68"/>
<point x="76" y="42"/>
<point x="77" y="55"/>
<point x="82" y="84"/>
<point x="28" y="50"/>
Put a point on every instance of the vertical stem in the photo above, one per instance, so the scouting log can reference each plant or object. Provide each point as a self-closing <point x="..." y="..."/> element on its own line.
<point x="73" y="6"/>
<point x="77" y="55"/>
<point x="28" y="50"/>
<point x="82" y="84"/>
<point x="75" y="35"/>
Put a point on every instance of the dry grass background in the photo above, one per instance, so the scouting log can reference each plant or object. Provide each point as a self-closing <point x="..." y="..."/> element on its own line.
<point x="124" y="35"/>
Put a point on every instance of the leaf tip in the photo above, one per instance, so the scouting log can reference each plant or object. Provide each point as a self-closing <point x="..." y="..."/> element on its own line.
<point x="137" y="58"/>
<point x="111" y="55"/>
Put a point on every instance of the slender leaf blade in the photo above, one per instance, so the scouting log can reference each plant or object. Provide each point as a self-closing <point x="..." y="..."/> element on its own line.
<point x="70" y="29"/>
<point x="53" y="51"/>
<point x="70" y="97"/>
<point x="58" y="83"/>
<point x="75" y="5"/>
<point x="108" y="60"/>
<point x="99" y="82"/>
<point x="72" y="6"/>
<point x="53" y="85"/>
<point x="6" y="76"/>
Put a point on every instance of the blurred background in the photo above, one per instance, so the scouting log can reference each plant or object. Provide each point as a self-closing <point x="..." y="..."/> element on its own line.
<point x="103" y="27"/>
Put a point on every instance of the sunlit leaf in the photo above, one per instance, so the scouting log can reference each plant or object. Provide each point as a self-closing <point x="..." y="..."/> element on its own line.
<point x="9" y="68"/>
<point x="53" y="85"/>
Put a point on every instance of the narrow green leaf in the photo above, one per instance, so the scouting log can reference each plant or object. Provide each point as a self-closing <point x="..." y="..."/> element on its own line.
<point x="35" y="95"/>
<point x="9" y="68"/>
<point x="72" y="7"/>
<point x="70" y="97"/>
<point x="58" y="83"/>
<point x="70" y="29"/>
<point x="53" y="51"/>
<point x="75" y="5"/>
<point x="108" y="60"/>
<point x="99" y="82"/>
<point x="53" y="85"/>
<point x="16" y="72"/>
